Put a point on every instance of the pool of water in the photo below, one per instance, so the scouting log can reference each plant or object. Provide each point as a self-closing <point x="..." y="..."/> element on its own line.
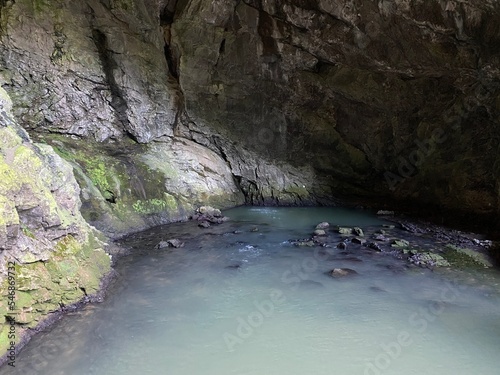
<point x="240" y="299"/>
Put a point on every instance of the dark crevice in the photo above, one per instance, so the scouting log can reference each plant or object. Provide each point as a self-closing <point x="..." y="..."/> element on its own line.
<point x="222" y="47"/>
<point x="118" y="103"/>
<point x="323" y="67"/>
<point x="171" y="61"/>
<point x="167" y="16"/>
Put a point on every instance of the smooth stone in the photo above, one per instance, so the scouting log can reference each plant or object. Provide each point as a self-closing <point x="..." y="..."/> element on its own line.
<point x="319" y="232"/>
<point x="209" y="210"/>
<point x="345" y="230"/>
<point x="323" y="225"/>
<point x="342" y="272"/>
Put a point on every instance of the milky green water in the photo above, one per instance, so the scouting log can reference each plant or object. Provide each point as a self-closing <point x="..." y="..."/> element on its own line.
<point x="251" y="303"/>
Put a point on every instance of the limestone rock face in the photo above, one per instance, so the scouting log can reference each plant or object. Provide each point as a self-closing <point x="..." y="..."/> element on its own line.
<point x="53" y="256"/>
<point x="165" y="105"/>
<point x="383" y="98"/>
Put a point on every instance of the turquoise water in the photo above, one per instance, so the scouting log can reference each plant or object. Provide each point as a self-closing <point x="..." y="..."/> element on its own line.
<point x="240" y="299"/>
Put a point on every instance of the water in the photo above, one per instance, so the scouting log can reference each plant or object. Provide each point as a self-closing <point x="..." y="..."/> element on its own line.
<point x="251" y="303"/>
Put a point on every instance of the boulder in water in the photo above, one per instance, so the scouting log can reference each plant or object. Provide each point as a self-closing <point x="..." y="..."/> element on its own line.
<point x="319" y="232"/>
<point x="323" y="225"/>
<point x="204" y="224"/>
<point x="342" y="272"/>
<point x="345" y="230"/>
<point x="358" y="231"/>
<point x="359" y="241"/>
<point x="174" y="242"/>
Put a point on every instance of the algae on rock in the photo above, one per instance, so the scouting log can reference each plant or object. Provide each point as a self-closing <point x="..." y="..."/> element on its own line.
<point x="58" y="259"/>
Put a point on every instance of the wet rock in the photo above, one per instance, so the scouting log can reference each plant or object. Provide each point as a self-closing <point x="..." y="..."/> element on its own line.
<point x="397" y="269"/>
<point x="342" y="245"/>
<point x="429" y="260"/>
<point x="323" y="225"/>
<point x="374" y="246"/>
<point x="254" y="229"/>
<point x="320" y="240"/>
<point x="359" y="241"/>
<point x="204" y="224"/>
<point x="385" y="213"/>
<point x="234" y="266"/>
<point x="462" y="257"/>
<point x="380" y="237"/>
<point x="400" y="243"/>
<point x="319" y="232"/>
<point x="358" y="231"/>
<point x="174" y="242"/>
<point x="209" y="210"/>
<point x="345" y="230"/>
<point x="389" y="226"/>
<point x="342" y="272"/>
<point x="307" y="243"/>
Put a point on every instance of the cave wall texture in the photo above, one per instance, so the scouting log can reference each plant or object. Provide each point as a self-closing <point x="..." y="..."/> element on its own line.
<point x="145" y="109"/>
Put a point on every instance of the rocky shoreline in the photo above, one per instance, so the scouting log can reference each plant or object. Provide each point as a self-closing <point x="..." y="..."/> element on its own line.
<point x="413" y="241"/>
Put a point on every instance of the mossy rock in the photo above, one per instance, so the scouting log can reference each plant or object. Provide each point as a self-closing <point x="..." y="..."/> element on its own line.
<point x="465" y="258"/>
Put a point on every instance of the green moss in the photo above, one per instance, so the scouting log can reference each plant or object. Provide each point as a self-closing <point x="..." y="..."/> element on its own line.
<point x="97" y="172"/>
<point x="27" y="232"/>
<point x="465" y="258"/>
<point x="151" y="206"/>
<point x="68" y="245"/>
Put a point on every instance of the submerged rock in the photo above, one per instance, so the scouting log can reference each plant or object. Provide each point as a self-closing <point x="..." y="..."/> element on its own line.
<point x="308" y="243"/>
<point x="374" y="246"/>
<point x="204" y="224"/>
<point x="342" y="272"/>
<point x="174" y="242"/>
<point x="359" y="241"/>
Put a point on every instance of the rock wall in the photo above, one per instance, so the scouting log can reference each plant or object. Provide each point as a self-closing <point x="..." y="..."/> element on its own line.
<point x="53" y="256"/>
<point x="99" y="81"/>
<point x="387" y="99"/>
